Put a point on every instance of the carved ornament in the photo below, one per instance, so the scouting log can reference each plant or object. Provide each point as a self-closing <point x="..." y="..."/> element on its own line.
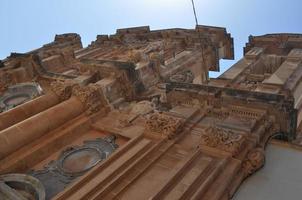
<point x="62" y="89"/>
<point x="90" y="96"/>
<point x="222" y="139"/>
<point x="255" y="160"/>
<point x="73" y="162"/>
<point x="165" y="125"/>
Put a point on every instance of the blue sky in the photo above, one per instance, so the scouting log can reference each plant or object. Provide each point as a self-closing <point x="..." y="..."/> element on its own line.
<point x="26" y="25"/>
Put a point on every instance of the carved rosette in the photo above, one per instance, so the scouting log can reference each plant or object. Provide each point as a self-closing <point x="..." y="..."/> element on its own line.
<point x="164" y="125"/>
<point x="255" y="160"/>
<point x="90" y="96"/>
<point x="222" y="139"/>
<point x="62" y="89"/>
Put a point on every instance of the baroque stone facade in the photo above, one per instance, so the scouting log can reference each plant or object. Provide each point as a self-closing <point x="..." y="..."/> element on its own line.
<point x="135" y="115"/>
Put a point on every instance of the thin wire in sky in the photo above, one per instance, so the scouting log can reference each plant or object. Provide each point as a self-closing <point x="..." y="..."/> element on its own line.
<point x="201" y="41"/>
<point x="194" y="10"/>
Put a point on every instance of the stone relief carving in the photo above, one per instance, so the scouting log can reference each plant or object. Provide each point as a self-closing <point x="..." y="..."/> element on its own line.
<point x="91" y="97"/>
<point x="72" y="163"/>
<point x="254" y="160"/>
<point x="213" y="101"/>
<point x="222" y="139"/>
<point x="62" y="89"/>
<point x="165" y="125"/>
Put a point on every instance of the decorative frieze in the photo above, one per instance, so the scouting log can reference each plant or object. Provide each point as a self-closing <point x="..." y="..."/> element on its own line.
<point x="186" y="99"/>
<point x="246" y="113"/>
<point x="217" y="113"/>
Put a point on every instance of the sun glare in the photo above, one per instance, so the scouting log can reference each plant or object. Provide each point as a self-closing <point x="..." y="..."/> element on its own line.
<point x="172" y="3"/>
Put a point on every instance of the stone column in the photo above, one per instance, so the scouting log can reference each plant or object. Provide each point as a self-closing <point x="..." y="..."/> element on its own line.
<point x="60" y="91"/>
<point x="27" y="110"/>
<point x="32" y="128"/>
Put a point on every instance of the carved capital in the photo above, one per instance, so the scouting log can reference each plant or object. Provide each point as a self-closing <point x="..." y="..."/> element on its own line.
<point x="90" y="96"/>
<point x="164" y="125"/>
<point x="255" y="160"/>
<point x="222" y="139"/>
<point x="62" y="89"/>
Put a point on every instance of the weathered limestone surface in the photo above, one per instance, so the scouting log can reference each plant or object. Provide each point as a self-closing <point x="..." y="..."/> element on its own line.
<point x="27" y="110"/>
<point x="135" y="116"/>
<point x="30" y="129"/>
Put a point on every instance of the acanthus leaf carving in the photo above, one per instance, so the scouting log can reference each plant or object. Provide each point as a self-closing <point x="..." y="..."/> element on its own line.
<point x="223" y="139"/>
<point x="164" y="125"/>
<point x="62" y="89"/>
<point x="90" y="96"/>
